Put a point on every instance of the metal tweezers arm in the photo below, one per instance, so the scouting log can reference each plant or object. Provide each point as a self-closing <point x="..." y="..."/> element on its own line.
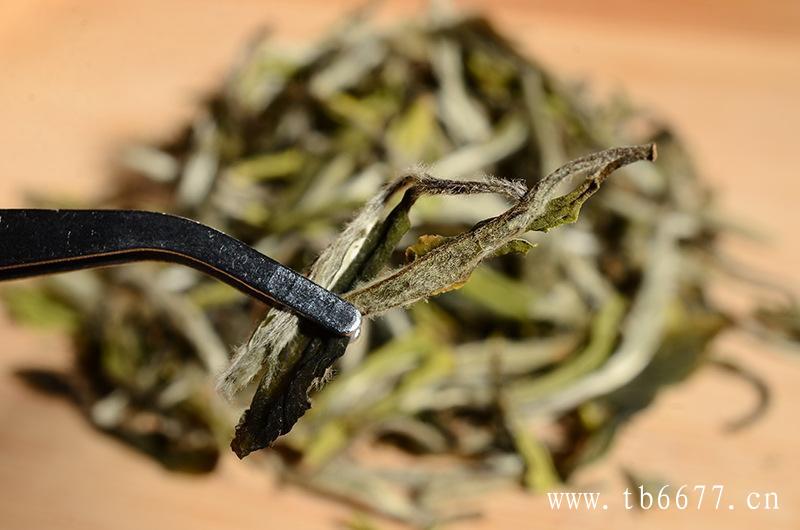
<point x="35" y="242"/>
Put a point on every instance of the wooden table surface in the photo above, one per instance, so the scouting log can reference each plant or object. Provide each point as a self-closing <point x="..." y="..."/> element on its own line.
<point x="80" y="78"/>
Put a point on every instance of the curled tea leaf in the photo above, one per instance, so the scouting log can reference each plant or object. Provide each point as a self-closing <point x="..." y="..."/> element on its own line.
<point x="450" y="264"/>
<point x="357" y="254"/>
<point x="576" y="336"/>
<point x="282" y="395"/>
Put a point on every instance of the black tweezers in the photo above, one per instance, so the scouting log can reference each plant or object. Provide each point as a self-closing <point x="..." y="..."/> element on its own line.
<point x="35" y="242"/>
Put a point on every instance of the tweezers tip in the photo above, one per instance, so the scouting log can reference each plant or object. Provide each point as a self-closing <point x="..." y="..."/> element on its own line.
<point x="352" y="329"/>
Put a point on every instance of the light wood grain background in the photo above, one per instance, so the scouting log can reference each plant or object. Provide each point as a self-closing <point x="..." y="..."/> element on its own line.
<point x="78" y="79"/>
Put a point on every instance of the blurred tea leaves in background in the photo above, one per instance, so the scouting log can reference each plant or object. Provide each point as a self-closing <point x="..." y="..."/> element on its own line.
<point x="520" y="376"/>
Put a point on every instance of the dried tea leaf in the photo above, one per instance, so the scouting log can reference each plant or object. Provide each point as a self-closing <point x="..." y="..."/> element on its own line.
<point x="575" y="337"/>
<point x="450" y="264"/>
<point x="760" y="388"/>
<point x="359" y="253"/>
<point x="282" y="396"/>
<point x="36" y="307"/>
<point x="272" y="411"/>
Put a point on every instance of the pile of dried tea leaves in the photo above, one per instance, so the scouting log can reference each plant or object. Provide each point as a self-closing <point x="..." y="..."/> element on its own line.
<point x="484" y="364"/>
